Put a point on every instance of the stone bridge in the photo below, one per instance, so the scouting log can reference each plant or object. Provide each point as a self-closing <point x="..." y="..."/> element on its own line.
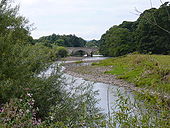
<point x="88" y="51"/>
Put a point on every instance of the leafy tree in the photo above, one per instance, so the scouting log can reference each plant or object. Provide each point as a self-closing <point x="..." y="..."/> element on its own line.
<point x="116" y="42"/>
<point x="62" y="40"/>
<point x="149" y="34"/>
<point x="20" y="61"/>
<point x="92" y="43"/>
<point x="22" y="67"/>
<point x="131" y="26"/>
<point x="61" y="52"/>
<point x="12" y="25"/>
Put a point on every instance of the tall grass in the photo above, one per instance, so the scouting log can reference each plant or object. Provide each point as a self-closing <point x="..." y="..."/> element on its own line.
<point x="149" y="112"/>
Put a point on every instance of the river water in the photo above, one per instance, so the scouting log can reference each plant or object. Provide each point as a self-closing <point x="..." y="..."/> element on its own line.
<point x="107" y="93"/>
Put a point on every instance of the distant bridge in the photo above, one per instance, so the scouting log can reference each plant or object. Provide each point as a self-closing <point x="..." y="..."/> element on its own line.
<point x="88" y="51"/>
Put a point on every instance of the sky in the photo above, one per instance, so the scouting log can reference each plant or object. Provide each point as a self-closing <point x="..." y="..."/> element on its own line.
<point x="88" y="19"/>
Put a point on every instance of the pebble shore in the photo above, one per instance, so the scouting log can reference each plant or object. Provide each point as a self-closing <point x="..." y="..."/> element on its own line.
<point x="97" y="74"/>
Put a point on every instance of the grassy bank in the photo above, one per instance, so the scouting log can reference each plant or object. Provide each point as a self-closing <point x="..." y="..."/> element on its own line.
<point x="150" y="71"/>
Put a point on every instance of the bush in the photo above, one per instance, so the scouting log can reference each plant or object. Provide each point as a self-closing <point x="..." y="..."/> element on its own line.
<point x="18" y="67"/>
<point x="19" y="113"/>
<point x="60" y="52"/>
<point x="22" y="67"/>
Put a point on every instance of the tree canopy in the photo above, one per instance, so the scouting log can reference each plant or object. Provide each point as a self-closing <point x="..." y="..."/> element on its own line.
<point x="92" y="43"/>
<point x="149" y="34"/>
<point x="61" y="40"/>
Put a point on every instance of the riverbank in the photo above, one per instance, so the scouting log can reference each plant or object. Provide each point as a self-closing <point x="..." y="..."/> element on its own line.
<point x="94" y="73"/>
<point x="97" y="73"/>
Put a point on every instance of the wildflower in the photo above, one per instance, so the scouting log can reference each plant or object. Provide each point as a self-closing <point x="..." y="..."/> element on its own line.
<point x="21" y="111"/>
<point x="28" y="94"/>
<point x="37" y="122"/>
<point x="33" y="100"/>
<point x="31" y="103"/>
<point x="52" y="118"/>
<point x="27" y="111"/>
<point x="34" y="113"/>
<point x="1" y="110"/>
<point x="37" y="109"/>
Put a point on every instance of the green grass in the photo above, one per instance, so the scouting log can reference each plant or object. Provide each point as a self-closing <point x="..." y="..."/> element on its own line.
<point x="152" y="71"/>
<point x="79" y="62"/>
<point x="118" y="70"/>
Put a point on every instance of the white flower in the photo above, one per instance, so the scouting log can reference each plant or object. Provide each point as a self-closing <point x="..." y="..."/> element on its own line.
<point x="52" y="118"/>
<point x="27" y="111"/>
<point x="28" y="94"/>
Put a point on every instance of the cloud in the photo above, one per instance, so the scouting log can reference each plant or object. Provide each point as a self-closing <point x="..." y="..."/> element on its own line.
<point x="29" y="2"/>
<point x="86" y="18"/>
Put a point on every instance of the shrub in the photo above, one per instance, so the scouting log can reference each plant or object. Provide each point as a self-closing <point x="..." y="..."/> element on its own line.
<point x="61" y="52"/>
<point x="19" y="113"/>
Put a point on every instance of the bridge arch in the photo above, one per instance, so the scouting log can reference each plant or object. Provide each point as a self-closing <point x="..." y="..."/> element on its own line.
<point x="79" y="53"/>
<point x="88" y="51"/>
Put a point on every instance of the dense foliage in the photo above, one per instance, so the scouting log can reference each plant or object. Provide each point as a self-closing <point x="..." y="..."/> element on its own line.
<point x="149" y="34"/>
<point x="116" y="42"/>
<point x="20" y="61"/>
<point x="92" y="43"/>
<point x="61" y="40"/>
<point x="32" y="98"/>
<point x="60" y="51"/>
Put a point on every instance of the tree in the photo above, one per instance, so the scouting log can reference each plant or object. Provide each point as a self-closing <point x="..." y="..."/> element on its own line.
<point x="22" y="67"/>
<point x="151" y="34"/>
<point x="12" y="25"/>
<point x="116" y="42"/>
<point x="92" y="43"/>
<point x="19" y="60"/>
<point x="61" y="52"/>
<point x="62" y="40"/>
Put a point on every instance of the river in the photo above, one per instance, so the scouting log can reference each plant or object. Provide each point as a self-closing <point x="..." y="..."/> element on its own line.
<point x="107" y="93"/>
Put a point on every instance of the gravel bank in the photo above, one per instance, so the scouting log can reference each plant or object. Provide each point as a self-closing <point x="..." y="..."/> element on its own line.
<point x="96" y="74"/>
